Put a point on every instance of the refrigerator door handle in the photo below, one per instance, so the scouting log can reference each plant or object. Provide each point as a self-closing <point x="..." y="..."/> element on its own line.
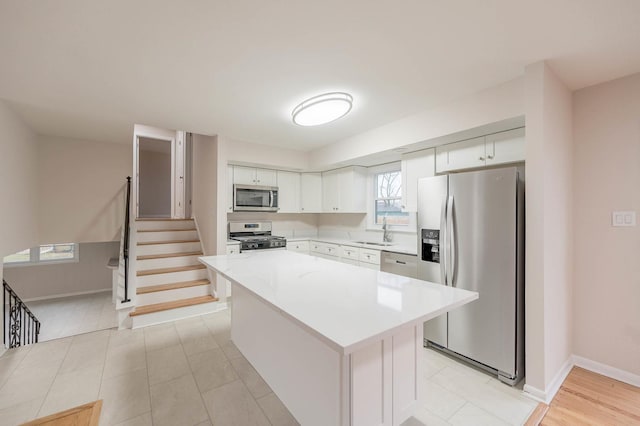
<point x="451" y="243"/>
<point x="443" y="243"/>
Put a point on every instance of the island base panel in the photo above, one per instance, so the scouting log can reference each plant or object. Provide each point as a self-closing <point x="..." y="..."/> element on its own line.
<point x="376" y="385"/>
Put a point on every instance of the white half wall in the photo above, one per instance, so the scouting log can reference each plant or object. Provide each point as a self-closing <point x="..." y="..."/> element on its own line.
<point x="607" y="260"/>
<point x="549" y="230"/>
<point x="81" y="189"/>
<point x="18" y="183"/>
<point x="89" y="274"/>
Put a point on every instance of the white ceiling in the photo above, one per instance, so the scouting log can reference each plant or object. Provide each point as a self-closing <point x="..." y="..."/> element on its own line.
<point x="91" y="69"/>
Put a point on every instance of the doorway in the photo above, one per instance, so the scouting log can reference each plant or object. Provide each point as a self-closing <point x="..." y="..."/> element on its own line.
<point x="154" y="178"/>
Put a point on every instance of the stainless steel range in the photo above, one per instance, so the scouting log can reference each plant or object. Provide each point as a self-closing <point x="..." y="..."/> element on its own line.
<point x="255" y="236"/>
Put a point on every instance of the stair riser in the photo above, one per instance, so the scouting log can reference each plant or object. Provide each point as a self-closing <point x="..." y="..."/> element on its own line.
<point x="168" y="262"/>
<point x="176" y="314"/>
<point x="167" y="236"/>
<point x="167" y="248"/>
<point x="164" y="224"/>
<point x="171" y="295"/>
<point x="172" y="277"/>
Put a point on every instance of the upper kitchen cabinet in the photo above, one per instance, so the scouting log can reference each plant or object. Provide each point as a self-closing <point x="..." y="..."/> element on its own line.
<point x="229" y="188"/>
<point x="505" y="147"/>
<point x="460" y="155"/>
<point x="311" y="192"/>
<point x="288" y="192"/>
<point x="253" y="176"/>
<point x="498" y="148"/>
<point x="414" y="166"/>
<point x="345" y="190"/>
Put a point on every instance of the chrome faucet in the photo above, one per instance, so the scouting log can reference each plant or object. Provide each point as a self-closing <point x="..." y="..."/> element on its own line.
<point x="386" y="236"/>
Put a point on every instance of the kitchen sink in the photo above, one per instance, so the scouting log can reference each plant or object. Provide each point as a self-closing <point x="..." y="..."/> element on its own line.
<point x="371" y="243"/>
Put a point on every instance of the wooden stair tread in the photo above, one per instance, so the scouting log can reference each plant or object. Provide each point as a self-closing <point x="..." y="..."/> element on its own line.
<point x="150" y="243"/>
<point x="166" y="255"/>
<point x="160" y="219"/>
<point x="171" y="286"/>
<point x="170" y="270"/>
<point x="87" y="414"/>
<point x="165" y="306"/>
<point x="167" y="230"/>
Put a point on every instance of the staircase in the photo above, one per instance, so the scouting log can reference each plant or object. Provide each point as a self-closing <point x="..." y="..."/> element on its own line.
<point x="170" y="282"/>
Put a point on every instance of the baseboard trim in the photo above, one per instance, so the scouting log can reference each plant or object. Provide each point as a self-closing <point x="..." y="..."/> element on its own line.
<point x="607" y="370"/>
<point x="59" y="296"/>
<point x="547" y="395"/>
<point x="574" y="360"/>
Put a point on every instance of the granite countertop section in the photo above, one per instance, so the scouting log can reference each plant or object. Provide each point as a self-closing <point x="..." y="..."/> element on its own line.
<point x="346" y="306"/>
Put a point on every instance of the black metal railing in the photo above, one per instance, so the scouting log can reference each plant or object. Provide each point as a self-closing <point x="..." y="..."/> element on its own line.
<point x="21" y="327"/>
<point x="125" y="246"/>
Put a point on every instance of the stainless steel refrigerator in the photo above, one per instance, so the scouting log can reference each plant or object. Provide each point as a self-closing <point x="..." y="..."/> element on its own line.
<point x="470" y="236"/>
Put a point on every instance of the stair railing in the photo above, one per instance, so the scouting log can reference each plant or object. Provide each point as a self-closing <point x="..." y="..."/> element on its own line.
<point x="125" y="249"/>
<point x="21" y="326"/>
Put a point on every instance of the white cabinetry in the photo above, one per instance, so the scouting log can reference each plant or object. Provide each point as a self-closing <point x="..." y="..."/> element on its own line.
<point x="498" y="148"/>
<point x="288" y="192"/>
<point x="311" y="192"/>
<point x="229" y="188"/>
<point x="505" y="147"/>
<point x="370" y="257"/>
<point x="344" y="190"/>
<point x="414" y="166"/>
<point x="253" y="176"/>
<point x="298" y="246"/>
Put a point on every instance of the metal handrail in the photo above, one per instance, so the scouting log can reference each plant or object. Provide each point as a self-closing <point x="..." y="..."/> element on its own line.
<point x="125" y="249"/>
<point x="22" y="327"/>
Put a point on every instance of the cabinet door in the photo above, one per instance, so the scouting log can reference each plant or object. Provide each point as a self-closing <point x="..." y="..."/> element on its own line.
<point x="310" y="192"/>
<point x="288" y="192"/>
<point x="229" y="189"/>
<point x="266" y="177"/>
<point x="330" y="191"/>
<point x="244" y="175"/>
<point x="505" y="147"/>
<point x="352" y="190"/>
<point x="415" y="166"/>
<point x="461" y="155"/>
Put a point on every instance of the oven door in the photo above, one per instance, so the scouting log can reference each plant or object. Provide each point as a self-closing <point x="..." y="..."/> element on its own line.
<point x="251" y="198"/>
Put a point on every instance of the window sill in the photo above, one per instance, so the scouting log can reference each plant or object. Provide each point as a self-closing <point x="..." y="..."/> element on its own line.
<point x="43" y="263"/>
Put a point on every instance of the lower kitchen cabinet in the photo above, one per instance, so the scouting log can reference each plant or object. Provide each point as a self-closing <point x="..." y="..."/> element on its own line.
<point x="298" y="246"/>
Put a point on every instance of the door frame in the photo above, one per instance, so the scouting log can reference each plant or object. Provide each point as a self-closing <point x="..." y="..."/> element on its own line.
<point x="152" y="133"/>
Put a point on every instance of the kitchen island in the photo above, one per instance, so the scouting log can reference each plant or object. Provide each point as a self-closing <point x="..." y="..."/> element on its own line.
<point x="338" y="344"/>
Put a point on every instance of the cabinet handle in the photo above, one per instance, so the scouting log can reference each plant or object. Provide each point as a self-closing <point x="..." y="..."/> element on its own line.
<point x="481" y="158"/>
<point x="490" y="157"/>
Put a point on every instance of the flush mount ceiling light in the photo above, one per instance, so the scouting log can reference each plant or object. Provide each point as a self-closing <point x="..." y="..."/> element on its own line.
<point x="322" y="109"/>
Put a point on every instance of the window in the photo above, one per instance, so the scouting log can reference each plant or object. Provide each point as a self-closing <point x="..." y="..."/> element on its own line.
<point x="45" y="254"/>
<point x="388" y="199"/>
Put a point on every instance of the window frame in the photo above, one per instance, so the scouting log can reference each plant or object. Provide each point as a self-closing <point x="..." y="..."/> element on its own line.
<point x="411" y="227"/>
<point x="35" y="260"/>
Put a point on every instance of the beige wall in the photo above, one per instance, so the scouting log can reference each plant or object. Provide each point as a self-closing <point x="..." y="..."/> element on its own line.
<point x="607" y="259"/>
<point x="205" y="187"/>
<point x="81" y="189"/>
<point x="549" y="249"/>
<point x="154" y="168"/>
<point x="89" y="274"/>
<point x="18" y="184"/>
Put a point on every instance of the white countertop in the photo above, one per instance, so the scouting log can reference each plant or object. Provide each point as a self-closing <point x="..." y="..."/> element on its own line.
<point x="396" y="248"/>
<point x="345" y="305"/>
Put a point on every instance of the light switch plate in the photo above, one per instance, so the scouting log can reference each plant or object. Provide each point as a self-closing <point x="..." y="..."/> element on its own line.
<point x="623" y="218"/>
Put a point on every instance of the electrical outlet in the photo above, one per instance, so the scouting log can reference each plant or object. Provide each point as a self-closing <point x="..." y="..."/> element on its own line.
<point x="627" y="218"/>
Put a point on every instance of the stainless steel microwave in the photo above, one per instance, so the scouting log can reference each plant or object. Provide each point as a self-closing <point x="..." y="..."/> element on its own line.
<point x="253" y="198"/>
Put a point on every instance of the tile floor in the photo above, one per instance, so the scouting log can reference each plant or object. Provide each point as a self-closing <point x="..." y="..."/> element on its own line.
<point x="189" y="373"/>
<point x="74" y="315"/>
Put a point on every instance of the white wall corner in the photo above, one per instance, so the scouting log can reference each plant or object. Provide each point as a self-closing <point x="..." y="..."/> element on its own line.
<point x="607" y="370"/>
<point x="552" y="388"/>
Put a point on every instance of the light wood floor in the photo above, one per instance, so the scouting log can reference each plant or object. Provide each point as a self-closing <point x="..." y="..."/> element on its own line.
<point x="587" y="398"/>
